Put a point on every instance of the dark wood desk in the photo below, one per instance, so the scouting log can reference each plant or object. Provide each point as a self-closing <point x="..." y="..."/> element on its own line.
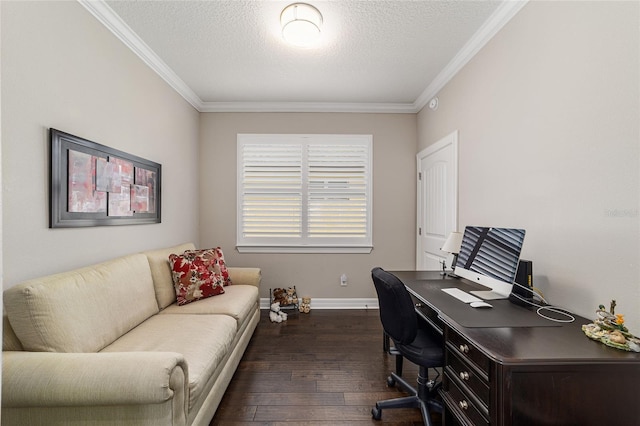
<point x="520" y="373"/>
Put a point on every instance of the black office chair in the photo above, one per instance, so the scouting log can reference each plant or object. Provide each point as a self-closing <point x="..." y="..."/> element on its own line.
<point x="391" y="350"/>
<point x="414" y="340"/>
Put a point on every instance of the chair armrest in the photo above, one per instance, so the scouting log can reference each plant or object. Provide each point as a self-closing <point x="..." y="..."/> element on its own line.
<point x="246" y="276"/>
<point x="49" y="379"/>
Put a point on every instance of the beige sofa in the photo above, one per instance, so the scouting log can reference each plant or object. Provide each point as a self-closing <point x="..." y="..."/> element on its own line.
<point x="107" y="344"/>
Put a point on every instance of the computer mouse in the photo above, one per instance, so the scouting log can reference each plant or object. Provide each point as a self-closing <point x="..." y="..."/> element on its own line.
<point x="483" y="305"/>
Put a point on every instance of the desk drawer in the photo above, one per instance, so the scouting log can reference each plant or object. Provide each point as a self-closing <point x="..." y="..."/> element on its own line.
<point x="468" y="376"/>
<point x="428" y="314"/>
<point x="467" y="351"/>
<point x="461" y="406"/>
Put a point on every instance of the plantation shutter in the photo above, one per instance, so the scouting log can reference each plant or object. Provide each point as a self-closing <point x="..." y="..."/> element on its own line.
<point x="272" y="191"/>
<point x="337" y="191"/>
<point x="304" y="191"/>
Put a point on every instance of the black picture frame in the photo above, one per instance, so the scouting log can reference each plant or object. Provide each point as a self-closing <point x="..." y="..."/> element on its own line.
<point x="79" y="196"/>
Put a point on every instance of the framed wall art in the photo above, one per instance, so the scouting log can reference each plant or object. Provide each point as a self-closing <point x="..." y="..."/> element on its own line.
<point x="93" y="185"/>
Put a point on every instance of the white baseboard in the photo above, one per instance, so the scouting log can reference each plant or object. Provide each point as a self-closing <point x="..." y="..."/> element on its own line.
<point x="331" y="303"/>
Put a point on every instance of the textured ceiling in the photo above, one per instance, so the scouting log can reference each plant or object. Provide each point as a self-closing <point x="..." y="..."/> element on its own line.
<point x="372" y="52"/>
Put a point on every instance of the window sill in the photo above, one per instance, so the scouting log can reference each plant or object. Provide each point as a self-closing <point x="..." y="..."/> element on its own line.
<point x="305" y="249"/>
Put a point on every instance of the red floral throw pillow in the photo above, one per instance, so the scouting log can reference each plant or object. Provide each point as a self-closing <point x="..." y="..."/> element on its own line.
<point x="198" y="274"/>
<point x="222" y="266"/>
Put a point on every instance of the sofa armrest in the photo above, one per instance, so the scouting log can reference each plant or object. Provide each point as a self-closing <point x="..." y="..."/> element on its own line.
<point x="246" y="276"/>
<point x="50" y="379"/>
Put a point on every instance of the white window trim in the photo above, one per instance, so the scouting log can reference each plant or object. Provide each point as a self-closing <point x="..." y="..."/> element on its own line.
<point x="347" y="245"/>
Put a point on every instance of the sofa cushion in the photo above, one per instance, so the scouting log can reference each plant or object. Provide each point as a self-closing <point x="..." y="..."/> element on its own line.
<point x="203" y="340"/>
<point x="82" y="310"/>
<point x="10" y="341"/>
<point x="238" y="301"/>
<point x="161" y="272"/>
<point x="197" y="274"/>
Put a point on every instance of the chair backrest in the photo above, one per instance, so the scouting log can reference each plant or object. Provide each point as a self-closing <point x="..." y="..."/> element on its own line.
<point x="397" y="311"/>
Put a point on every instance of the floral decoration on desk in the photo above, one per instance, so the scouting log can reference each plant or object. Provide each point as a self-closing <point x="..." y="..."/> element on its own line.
<point x="609" y="328"/>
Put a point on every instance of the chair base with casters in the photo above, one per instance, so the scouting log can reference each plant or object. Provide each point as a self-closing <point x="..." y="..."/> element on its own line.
<point x="424" y="397"/>
<point x="415" y="341"/>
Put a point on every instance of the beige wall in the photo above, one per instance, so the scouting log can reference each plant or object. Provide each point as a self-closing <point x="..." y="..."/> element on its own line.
<point x="61" y="68"/>
<point x="316" y="275"/>
<point x="549" y="141"/>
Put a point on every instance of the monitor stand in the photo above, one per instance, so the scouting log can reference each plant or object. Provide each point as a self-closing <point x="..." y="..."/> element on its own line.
<point x="488" y="295"/>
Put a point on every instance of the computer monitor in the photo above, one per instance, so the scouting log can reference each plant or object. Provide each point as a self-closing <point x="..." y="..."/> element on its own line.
<point x="489" y="256"/>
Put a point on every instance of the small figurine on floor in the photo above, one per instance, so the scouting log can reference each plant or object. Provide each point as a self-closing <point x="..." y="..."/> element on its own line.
<point x="285" y="296"/>
<point x="275" y="314"/>
<point x="305" y="306"/>
<point x="292" y="297"/>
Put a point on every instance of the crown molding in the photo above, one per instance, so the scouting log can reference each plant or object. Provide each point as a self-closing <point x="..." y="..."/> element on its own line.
<point x="500" y="17"/>
<point x="103" y="13"/>
<point x="394" y="108"/>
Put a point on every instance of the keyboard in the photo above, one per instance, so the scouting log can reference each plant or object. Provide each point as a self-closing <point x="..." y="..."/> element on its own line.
<point x="462" y="296"/>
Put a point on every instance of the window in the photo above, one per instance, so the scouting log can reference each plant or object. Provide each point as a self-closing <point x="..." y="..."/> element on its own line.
<point x="304" y="193"/>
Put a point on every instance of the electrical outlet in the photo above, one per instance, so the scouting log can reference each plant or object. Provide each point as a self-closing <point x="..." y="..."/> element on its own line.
<point x="343" y="280"/>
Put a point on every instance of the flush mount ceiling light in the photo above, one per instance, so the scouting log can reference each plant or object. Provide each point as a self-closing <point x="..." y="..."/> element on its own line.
<point x="301" y="24"/>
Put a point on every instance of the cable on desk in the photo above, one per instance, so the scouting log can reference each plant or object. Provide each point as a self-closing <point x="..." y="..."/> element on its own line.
<point x="547" y="306"/>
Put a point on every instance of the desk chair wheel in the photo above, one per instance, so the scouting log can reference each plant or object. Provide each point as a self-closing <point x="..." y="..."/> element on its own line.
<point x="376" y="413"/>
<point x="391" y="382"/>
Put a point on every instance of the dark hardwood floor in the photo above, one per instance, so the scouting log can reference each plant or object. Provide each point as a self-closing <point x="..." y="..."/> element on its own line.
<point x="322" y="368"/>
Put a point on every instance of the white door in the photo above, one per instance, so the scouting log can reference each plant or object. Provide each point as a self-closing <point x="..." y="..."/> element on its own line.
<point x="437" y="202"/>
